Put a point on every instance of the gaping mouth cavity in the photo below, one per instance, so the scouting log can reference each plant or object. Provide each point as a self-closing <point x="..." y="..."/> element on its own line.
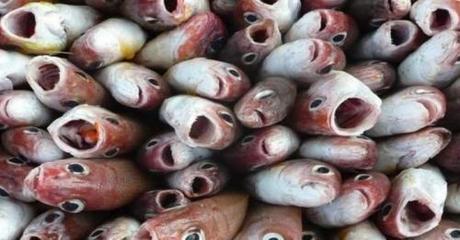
<point x="259" y="35"/>
<point x="440" y="20"/>
<point x="416" y="212"/>
<point x="166" y="156"/>
<point x="48" y="76"/>
<point x="34" y="238"/>
<point x="202" y="129"/>
<point x="399" y="34"/>
<point x="170" y="5"/>
<point x="22" y="24"/>
<point x="79" y="134"/>
<point x="351" y="113"/>
<point x="168" y="200"/>
<point x="200" y="186"/>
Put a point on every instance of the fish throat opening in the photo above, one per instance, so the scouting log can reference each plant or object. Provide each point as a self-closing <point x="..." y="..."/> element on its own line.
<point x="440" y="20"/>
<point x="48" y="76"/>
<point x="352" y="112"/>
<point x="21" y="24"/>
<point x="79" y="134"/>
<point x="202" y="129"/>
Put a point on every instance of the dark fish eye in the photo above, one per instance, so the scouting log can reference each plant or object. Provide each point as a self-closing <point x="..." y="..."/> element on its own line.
<point x="112" y="121"/>
<point x="386" y="210"/>
<point x="455" y="233"/>
<point x="272" y="236"/>
<point x="321" y="169"/>
<point x="31" y="130"/>
<point x="338" y="38"/>
<point x="362" y="177"/>
<point x="3" y="126"/>
<point x="193" y="236"/>
<point x="249" y="58"/>
<point x="152" y="143"/>
<point x="325" y="70"/>
<point x="226" y="117"/>
<point x="216" y="46"/>
<point x="72" y="206"/>
<point x="70" y="103"/>
<point x="247" y="139"/>
<point x="308" y="236"/>
<point x="251" y="17"/>
<point x="77" y="169"/>
<point x="112" y="152"/>
<point x="3" y="193"/>
<point x="154" y="82"/>
<point x="96" y="233"/>
<point x="52" y="217"/>
<point x="16" y="161"/>
<point x="316" y="103"/>
<point x="233" y="72"/>
<point x="207" y="166"/>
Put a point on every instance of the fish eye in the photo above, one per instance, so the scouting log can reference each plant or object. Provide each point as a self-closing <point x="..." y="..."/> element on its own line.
<point x="154" y="82"/>
<point x="207" y="165"/>
<point x="339" y="38"/>
<point x="152" y="143"/>
<point x="3" y="126"/>
<point x="308" y="236"/>
<point x="112" y="120"/>
<point x="325" y="70"/>
<point x="77" y="169"/>
<point x="226" y="117"/>
<point x="16" y="161"/>
<point x="3" y="193"/>
<point x="112" y="152"/>
<point x="251" y="17"/>
<point x="321" y="169"/>
<point x="454" y="233"/>
<point x="362" y="177"/>
<point x="272" y="236"/>
<point x="96" y="234"/>
<point x="31" y="130"/>
<point x="247" y="139"/>
<point x="386" y="210"/>
<point x="70" y="103"/>
<point x="194" y="235"/>
<point x="265" y="94"/>
<point x="234" y="73"/>
<point x="249" y="58"/>
<point x="53" y="217"/>
<point x="316" y="103"/>
<point x="72" y="206"/>
<point x="216" y="46"/>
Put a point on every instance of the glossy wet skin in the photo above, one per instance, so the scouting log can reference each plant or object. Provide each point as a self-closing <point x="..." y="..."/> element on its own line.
<point x="55" y="224"/>
<point x="91" y="131"/>
<point x="300" y="182"/>
<point x="360" y="196"/>
<point x="261" y="148"/>
<point x="100" y="184"/>
<point x="217" y="218"/>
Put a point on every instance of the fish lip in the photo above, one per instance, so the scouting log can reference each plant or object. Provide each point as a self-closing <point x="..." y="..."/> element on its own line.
<point x="367" y="198"/>
<point x="31" y="183"/>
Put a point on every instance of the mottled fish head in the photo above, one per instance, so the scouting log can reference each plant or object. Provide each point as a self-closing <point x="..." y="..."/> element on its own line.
<point x="218" y="217"/>
<point x="67" y="183"/>
<point x="373" y="187"/>
<point x="49" y="225"/>
<point x="324" y="57"/>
